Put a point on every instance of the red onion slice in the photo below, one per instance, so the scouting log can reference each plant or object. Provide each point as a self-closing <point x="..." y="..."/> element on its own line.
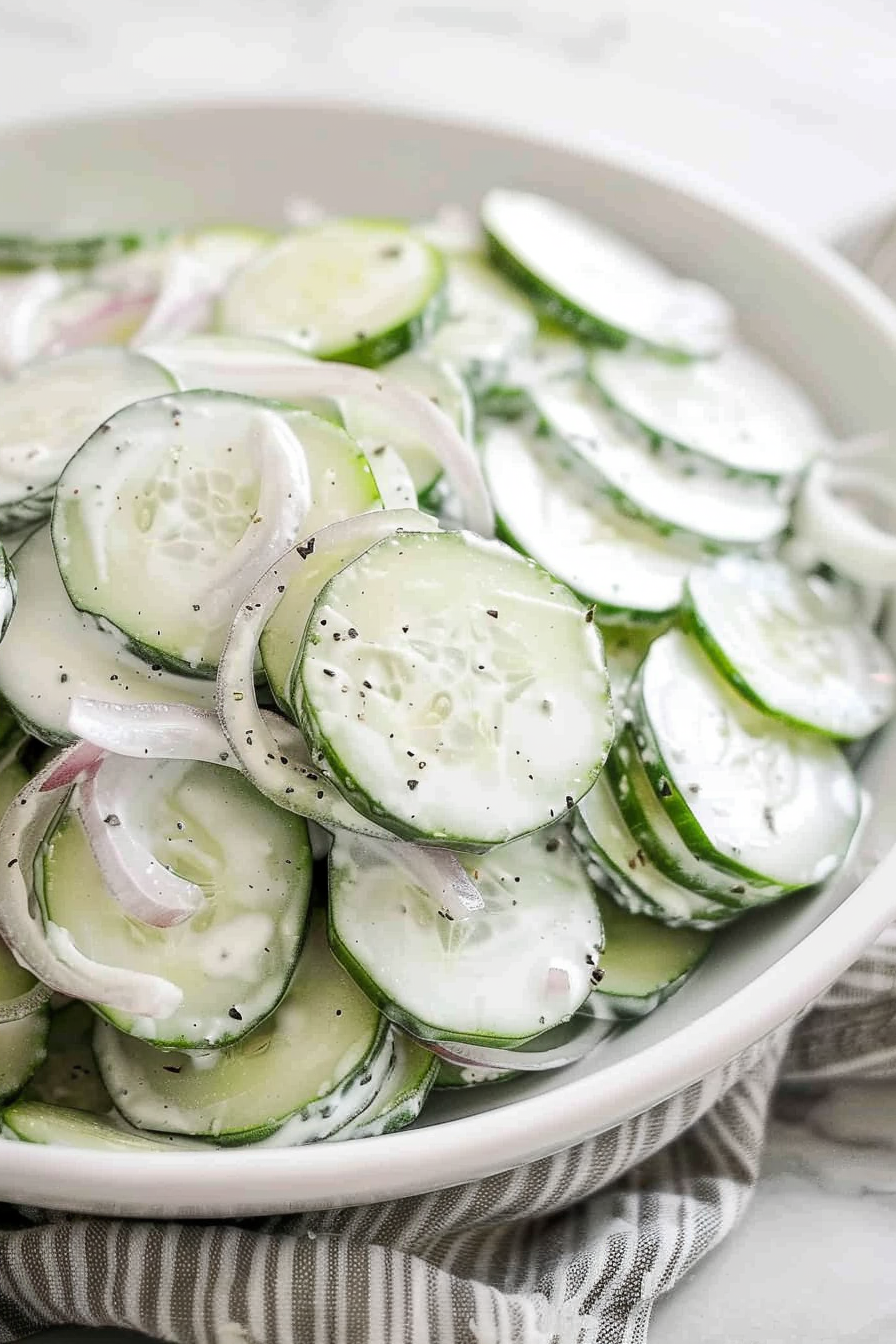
<point x="22" y="300"/>
<point x="286" y="774"/>
<point x="437" y="872"/>
<point x="150" y="731"/>
<point x="47" y="949"/>
<point x="585" y="1033"/>
<point x="144" y="888"/>
<point x="79" y="760"/>
<point x="183" y="304"/>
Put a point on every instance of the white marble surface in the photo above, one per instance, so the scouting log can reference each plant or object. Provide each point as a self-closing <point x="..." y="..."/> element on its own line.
<point x="790" y="102"/>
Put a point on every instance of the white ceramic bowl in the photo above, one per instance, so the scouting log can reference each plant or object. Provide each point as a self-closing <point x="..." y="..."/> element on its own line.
<point x="803" y="304"/>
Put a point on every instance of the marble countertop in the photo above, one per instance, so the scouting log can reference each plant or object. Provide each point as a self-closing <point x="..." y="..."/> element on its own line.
<point x="792" y="105"/>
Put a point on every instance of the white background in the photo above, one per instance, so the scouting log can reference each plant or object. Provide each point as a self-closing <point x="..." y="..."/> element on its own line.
<point x="791" y="103"/>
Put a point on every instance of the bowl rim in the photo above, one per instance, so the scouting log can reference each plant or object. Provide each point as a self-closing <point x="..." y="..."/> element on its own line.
<point x="472" y="1147"/>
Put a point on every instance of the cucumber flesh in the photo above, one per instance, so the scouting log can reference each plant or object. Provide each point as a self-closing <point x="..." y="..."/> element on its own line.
<point x="158" y="501"/>
<point x="596" y="283"/>
<point x="616" y="859"/>
<point x="485" y="979"/>
<point x="52" y="653"/>
<point x="643" y="962"/>
<point x="433" y="674"/>
<point x="401" y="1098"/>
<point x="364" y="291"/>
<point x="549" y="509"/>
<point x="49" y="409"/>
<point x="69" y="1075"/>
<point x="738" y="411"/>
<point x="41" y="1122"/>
<point x="487" y="324"/>
<point x="234" y="958"/>
<point x="310" y="1058"/>
<point x="750" y="794"/>
<point x="793" y="646"/>
<point x="653" y="483"/>
<point x="23" y="1048"/>
<point x="282" y="636"/>
<point x="624" y="650"/>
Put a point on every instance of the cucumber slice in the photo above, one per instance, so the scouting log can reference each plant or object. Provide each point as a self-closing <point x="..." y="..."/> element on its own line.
<point x="233" y="959"/>
<point x="69" y="1075"/>
<point x="359" y="290"/>
<point x="483" y="979"/>
<point x="319" y="1058"/>
<point x="401" y="1098"/>
<point x="751" y="795"/>
<point x="468" y="1075"/>
<point x="23" y="252"/>
<point x="430" y="377"/>
<point x="52" y="653"/>
<point x="657" y="836"/>
<point x="159" y="499"/>
<point x="643" y="962"/>
<point x="793" y="646"/>
<point x="594" y="282"/>
<point x="651" y="482"/>
<point x="624" y="650"/>
<point x="23" y="1048"/>
<point x="615" y="858"/>
<point x="282" y="636"/>
<point x="40" y="1122"/>
<point x="433" y="676"/>
<point x="549" y="509"/>
<point x="554" y="355"/>
<point x="15" y="980"/>
<point x="49" y="409"/>
<point x="737" y="410"/>
<point x="488" y="322"/>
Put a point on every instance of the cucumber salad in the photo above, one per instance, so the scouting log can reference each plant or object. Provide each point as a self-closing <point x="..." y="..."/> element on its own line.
<point x="411" y="658"/>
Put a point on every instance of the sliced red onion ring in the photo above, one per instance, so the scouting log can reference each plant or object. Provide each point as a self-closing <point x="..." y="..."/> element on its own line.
<point x="183" y="304"/>
<point x="442" y="876"/>
<point x="150" y="731"/>
<point x="13" y="1010"/>
<point x="47" y="949"/>
<point x="22" y="299"/>
<point x="78" y="761"/>
<point x="286" y="774"/>
<point x="839" y="517"/>
<point x="142" y="887"/>
<point x="104" y="322"/>
<point x="585" y="1033"/>
<point x="283" y="503"/>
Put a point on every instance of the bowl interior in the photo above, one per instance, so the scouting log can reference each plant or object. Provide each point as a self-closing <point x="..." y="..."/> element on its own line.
<point x="805" y="309"/>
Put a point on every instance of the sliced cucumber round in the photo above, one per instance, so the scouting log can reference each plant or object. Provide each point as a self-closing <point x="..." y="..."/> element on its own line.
<point x="624" y="650"/>
<point x="651" y="482"/>
<point x="736" y="410"/>
<point x="49" y="409"/>
<point x="596" y="283"/>
<point x="508" y="973"/>
<point x="311" y="1063"/>
<point x="432" y="378"/>
<point x="359" y="290"/>
<point x="401" y="1098"/>
<point x="23" y="1048"/>
<point x="553" y="356"/>
<point x="24" y="252"/>
<point x="488" y="322"/>
<point x="233" y="959"/>
<point x="52" y="653"/>
<point x="549" y="509"/>
<point x="616" y="859"/>
<point x="282" y="636"/>
<point x="753" y="796"/>
<point x="793" y="646"/>
<point x="40" y="1122"/>
<point x="171" y="491"/>
<point x="643" y="962"/>
<point x="433" y="676"/>
<point x="69" y="1076"/>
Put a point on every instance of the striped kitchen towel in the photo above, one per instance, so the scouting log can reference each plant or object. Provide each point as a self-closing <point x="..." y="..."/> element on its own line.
<point x="573" y="1249"/>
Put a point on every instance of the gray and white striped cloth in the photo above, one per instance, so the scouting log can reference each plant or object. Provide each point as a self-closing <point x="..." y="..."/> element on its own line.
<point x="573" y="1249"/>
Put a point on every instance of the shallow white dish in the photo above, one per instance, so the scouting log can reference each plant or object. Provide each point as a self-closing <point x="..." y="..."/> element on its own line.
<point x="809" y="310"/>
